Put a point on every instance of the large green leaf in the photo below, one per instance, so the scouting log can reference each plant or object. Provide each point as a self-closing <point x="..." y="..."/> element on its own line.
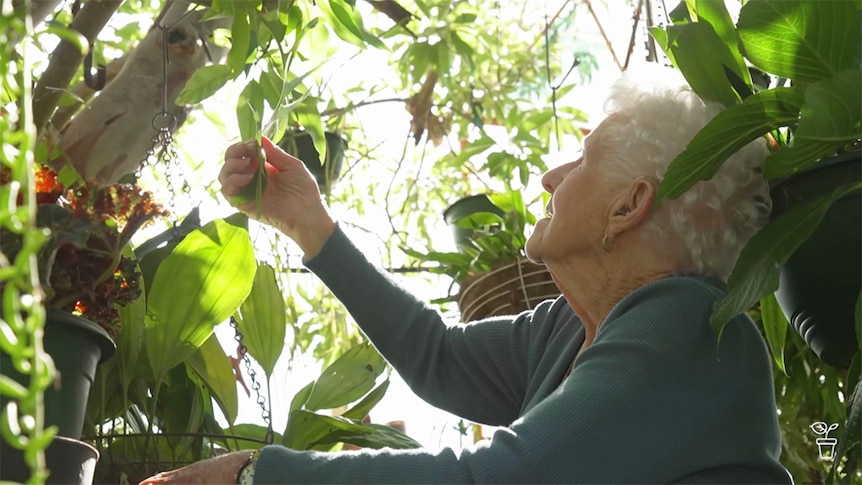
<point x="214" y="367"/>
<point x="757" y="271"/>
<point x="262" y="319"/>
<point x="347" y="379"/>
<point x="199" y="285"/>
<point x="775" y="327"/>
<point x="729" y="131"/>
<point x="714" y="12"/>
<point x="802" y="40"/>
<point x="705" y="73"/>
<point x="305" y="428"/>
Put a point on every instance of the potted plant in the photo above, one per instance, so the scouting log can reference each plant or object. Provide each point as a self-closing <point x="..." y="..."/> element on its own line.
<point x="87" y="275"/>
<point x="494" y="276"/>
<point x="303" y="145"/>
<point x="809" y="254"/>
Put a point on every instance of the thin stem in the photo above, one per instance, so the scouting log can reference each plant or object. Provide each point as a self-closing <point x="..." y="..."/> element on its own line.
<point x="352" y="106"/>
<point x="604" y="35"/>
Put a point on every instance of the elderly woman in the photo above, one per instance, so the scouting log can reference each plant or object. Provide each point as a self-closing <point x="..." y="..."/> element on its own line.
<point x="620" y="379"/>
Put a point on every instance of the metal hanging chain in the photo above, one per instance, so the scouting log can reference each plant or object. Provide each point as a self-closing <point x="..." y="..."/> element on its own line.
<point x="163" y="142"/>
<point x="265" y="413"/>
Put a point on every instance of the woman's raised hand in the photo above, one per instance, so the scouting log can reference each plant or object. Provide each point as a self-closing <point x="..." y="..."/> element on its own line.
<point x="291" y="199"/>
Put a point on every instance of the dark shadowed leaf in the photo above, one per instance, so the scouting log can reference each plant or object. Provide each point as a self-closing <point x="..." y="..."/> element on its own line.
<point x="305" y="429"/>
<point x="757" y="270"/>
<point x="775" y="327"/>
<point x="213" y="365"/>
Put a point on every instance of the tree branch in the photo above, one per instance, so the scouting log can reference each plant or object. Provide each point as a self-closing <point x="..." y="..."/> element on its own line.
<point x="66" y="58"/>
<point x="39" y="9"/>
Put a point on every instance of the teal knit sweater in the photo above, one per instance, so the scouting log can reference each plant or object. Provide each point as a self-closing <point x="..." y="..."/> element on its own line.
<point x="654" y="399"/>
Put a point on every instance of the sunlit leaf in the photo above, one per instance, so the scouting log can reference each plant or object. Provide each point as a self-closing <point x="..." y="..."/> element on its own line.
<point x="205" y="82"/>
<point x="800" y="39"/>
<point x="705" y="74"/>
<point x="305" y="428"/>
<point x="381" y="436"/>
<point x="262" y="319"/>
<point x="347" y="379"/>
<point x="198" y="286"/>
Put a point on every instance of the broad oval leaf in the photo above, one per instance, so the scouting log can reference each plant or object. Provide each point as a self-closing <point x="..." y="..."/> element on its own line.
<point x="347" y="23"/>
<point x="802" y="40"/>
<point x="757" y="270"/>
<point x="347" y="379"/>
<point x="262" y="319"/>
<point x="199" y="285"/>
<point x="213" y="366"/>
<point x="729" y="131"/>
<point x="240" y="40"/>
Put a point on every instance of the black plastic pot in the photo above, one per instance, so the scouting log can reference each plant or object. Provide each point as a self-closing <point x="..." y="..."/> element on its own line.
<point x="77" y="346"/>
<point x="300" y="145"/>
<point x="466" y="207"/>
<point x="821" y="282"/>
<point x="68" y="461"/>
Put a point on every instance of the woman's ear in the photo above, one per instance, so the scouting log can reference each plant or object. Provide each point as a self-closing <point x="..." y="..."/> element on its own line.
<point x="632" y="210"/>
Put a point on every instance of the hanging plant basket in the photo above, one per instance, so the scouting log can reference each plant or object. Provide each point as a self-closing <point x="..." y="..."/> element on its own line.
<point x="821" y="282"/>
<point x="506" y="290"/>
<point x="77" y="346"/>
<point x="69" y="462"/>
<point x="327" y="172"/>
<point x="464" y="208"/>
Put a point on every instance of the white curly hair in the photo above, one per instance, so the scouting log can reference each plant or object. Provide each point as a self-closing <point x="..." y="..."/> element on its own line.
<point x="653" y="115"/>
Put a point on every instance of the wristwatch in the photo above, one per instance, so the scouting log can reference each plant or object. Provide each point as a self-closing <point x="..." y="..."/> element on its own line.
<point x="245" y="475"/>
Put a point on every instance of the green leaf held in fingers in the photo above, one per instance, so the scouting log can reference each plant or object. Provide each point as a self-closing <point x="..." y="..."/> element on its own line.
<point x="757" y="270"/>
<point x="725" y="134"/>
<point x="800" y="39"/>
<point x="347" y="379"/>
<point x="202" y="283"/>
<point x="213" y="366"/>
<point x="262" y="319"/>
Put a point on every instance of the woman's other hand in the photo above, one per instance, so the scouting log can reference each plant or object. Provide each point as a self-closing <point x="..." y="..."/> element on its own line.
<point x="219" y="470"/>
<point x="291" y="200"/>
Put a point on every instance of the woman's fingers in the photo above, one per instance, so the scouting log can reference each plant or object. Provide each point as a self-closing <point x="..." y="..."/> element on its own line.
<point x="233" y="183"/>
<point x="277" y="157"/>
<point x="247" y="149"/>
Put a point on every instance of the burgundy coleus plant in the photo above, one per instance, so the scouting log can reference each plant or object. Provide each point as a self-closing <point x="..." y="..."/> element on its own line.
<point x="82" y="265"/>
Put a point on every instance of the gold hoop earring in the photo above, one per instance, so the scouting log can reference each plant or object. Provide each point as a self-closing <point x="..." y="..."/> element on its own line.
<point x="607" y="243"/>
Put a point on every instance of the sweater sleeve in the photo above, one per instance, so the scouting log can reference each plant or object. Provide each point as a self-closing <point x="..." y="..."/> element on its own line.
<point x="477" y="371"/>
<point x="652" y="400"/>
